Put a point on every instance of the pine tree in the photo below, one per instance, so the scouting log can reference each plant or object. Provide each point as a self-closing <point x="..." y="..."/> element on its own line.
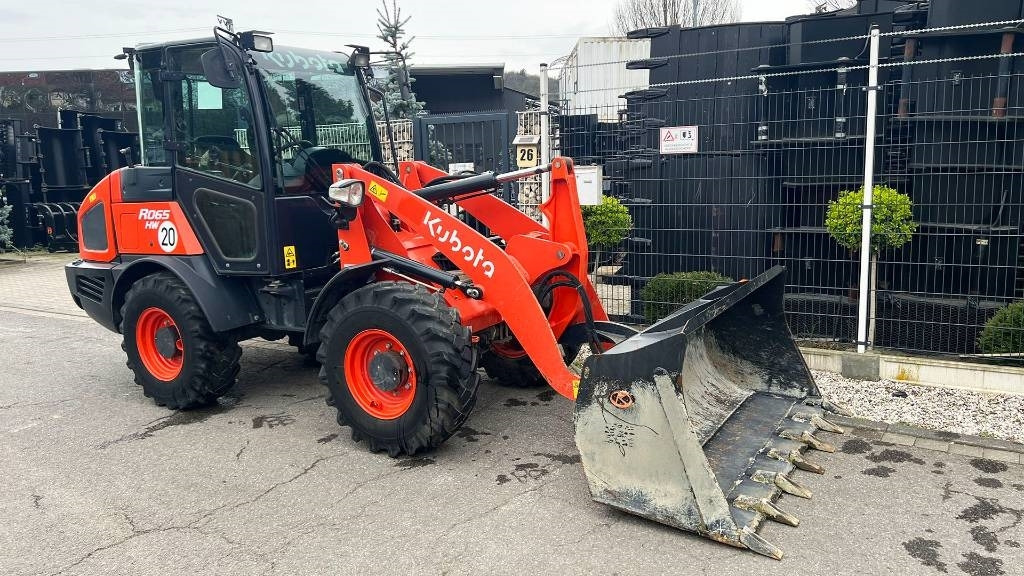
<point x="391" y="29"/>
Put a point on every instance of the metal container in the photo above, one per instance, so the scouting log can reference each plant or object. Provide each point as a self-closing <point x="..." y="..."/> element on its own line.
<point x="594" y="75"/>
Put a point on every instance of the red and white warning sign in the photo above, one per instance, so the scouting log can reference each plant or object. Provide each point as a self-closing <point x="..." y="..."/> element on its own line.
<point x="678" y="140"/>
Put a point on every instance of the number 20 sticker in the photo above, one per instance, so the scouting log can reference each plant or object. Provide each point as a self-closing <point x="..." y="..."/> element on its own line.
<point x="167" y="235"/>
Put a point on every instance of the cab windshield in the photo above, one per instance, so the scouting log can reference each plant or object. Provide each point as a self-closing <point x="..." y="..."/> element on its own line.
<point x="317" y="112"/>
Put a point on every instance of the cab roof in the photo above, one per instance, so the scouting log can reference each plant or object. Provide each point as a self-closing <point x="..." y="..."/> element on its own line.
<point x="148" y="46"/>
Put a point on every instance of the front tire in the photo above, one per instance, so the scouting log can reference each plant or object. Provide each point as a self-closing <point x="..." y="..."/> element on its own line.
<point x="177" y="358"/>
<point x="399" y="367"/>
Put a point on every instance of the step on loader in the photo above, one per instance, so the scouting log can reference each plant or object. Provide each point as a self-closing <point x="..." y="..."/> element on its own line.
<point x="263" y="209"/>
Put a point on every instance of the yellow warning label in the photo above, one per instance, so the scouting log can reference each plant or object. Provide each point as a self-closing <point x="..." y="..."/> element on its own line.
<point x="575" y="387"/>
<point x="290" y="261"/>
<point x="379" y="192"/>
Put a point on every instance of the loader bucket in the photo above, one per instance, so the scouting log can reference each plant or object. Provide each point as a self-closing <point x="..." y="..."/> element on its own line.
<point x="699" y="421"/>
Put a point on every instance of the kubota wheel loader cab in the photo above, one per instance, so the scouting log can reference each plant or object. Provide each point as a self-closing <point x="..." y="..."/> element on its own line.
<point x="228" y="203"/>
<point x="253" y="160"/>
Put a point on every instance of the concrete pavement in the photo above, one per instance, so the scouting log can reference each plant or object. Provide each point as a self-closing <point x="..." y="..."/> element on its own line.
<point x="94" y="479"/>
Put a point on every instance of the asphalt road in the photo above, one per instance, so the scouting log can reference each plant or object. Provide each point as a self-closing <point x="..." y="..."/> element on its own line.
<point x="95" y="479"/>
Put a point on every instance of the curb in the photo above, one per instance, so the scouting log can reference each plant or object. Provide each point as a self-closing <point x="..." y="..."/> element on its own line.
<point x="918" y="370"/>
<point x="936" y="440"/>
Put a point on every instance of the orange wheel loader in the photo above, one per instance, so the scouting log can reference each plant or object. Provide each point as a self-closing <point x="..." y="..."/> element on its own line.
<point x="262" y="208"/>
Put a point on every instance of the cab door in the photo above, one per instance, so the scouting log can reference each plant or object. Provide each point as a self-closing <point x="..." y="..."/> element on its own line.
<point x="219" y="165"/>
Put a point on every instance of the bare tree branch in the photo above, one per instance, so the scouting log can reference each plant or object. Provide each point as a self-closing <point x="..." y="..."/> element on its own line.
<point x="636" y="14"/>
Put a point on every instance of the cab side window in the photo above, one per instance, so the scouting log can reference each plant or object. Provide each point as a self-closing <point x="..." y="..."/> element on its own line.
<point x="151" y="110"/>
<point x="213" y="126"/>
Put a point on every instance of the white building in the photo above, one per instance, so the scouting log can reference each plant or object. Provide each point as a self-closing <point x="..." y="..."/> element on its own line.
<point x="594" y="75"/>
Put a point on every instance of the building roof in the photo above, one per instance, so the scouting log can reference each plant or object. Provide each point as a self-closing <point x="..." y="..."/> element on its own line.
<point x="457" y="69"/>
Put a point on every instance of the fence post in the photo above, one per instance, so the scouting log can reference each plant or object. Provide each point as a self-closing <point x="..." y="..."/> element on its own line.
<point x="545" y="131"/>
<point x="866" y="273"/>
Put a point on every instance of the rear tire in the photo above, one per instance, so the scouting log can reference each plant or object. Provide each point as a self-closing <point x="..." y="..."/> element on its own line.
<point x="427" y="359"/>
<point x="177" y="358"/>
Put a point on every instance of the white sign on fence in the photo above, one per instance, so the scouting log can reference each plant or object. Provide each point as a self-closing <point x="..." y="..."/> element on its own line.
<point x="458" y="167"/>
<point x="678" y="140"/>
<point x="589" y="185"/>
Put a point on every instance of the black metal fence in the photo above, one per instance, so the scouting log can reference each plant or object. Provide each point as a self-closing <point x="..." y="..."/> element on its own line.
<point x="730" y="152"/>
<point x="472" y="141"/>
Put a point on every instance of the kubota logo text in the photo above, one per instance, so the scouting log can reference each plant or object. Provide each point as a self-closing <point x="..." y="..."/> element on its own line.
<point x="474" y="256"/>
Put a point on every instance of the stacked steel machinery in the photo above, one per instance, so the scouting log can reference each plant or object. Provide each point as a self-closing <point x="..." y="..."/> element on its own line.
<point x="45" y="173"/>
<point x="814" y="120"/>
<point x="780" y="109"/>
<point x="710" y="210"/>
<point x="953" y="133"/>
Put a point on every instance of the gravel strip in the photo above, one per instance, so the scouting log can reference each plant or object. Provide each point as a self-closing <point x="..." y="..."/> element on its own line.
<point x="964" y="412"/>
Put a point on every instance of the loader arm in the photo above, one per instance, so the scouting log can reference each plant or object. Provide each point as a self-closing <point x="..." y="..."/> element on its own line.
<point x="503" y="279"/>
<point x="526" y="237"/>
<point x="501" y="218"/>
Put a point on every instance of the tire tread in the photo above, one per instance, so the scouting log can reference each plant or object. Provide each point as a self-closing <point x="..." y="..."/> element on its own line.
<point x="450" y="358"/>
<point x="215" y="363"/>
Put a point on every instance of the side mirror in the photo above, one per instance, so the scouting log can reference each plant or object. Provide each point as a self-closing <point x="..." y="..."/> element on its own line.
<point x="216" y="70"/>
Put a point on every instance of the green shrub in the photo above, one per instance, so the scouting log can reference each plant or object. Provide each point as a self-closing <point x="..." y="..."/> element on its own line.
<point x="892" y="222"/>
<point x="607" y="223"/>
<point x="666" y="293"/>
<point x="1004" y="332"/>
<point x="6" y="233"/>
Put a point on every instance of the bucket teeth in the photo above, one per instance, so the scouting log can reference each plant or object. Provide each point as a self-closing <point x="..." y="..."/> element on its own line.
<point x="797" y="459"/>
<point x="818" y="422"/>
<point x="751" y="540"/>
<point x="764" y="507"/>
<point x="782" y="482"/>
<point x="802" y="463"/>
<point x="809" y="439"/>
<point x="787" y="485"/>
<point x="825" y="425"/>
<point x="836" y="409"/>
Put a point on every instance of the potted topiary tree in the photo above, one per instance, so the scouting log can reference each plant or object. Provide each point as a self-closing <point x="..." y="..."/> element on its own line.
<point x="606" y="224"/>
<point x="892" y="226"/>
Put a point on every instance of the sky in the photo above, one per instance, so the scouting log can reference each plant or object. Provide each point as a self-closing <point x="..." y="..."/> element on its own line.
<point x="521" y="33"/>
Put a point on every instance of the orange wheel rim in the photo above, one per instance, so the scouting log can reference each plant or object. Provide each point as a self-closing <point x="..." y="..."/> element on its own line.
<point x="379" y="374"/>
<point x="159" y="342"/>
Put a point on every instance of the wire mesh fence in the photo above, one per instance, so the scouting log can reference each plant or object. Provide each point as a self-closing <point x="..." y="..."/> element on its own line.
<point x="732" y="146"/>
